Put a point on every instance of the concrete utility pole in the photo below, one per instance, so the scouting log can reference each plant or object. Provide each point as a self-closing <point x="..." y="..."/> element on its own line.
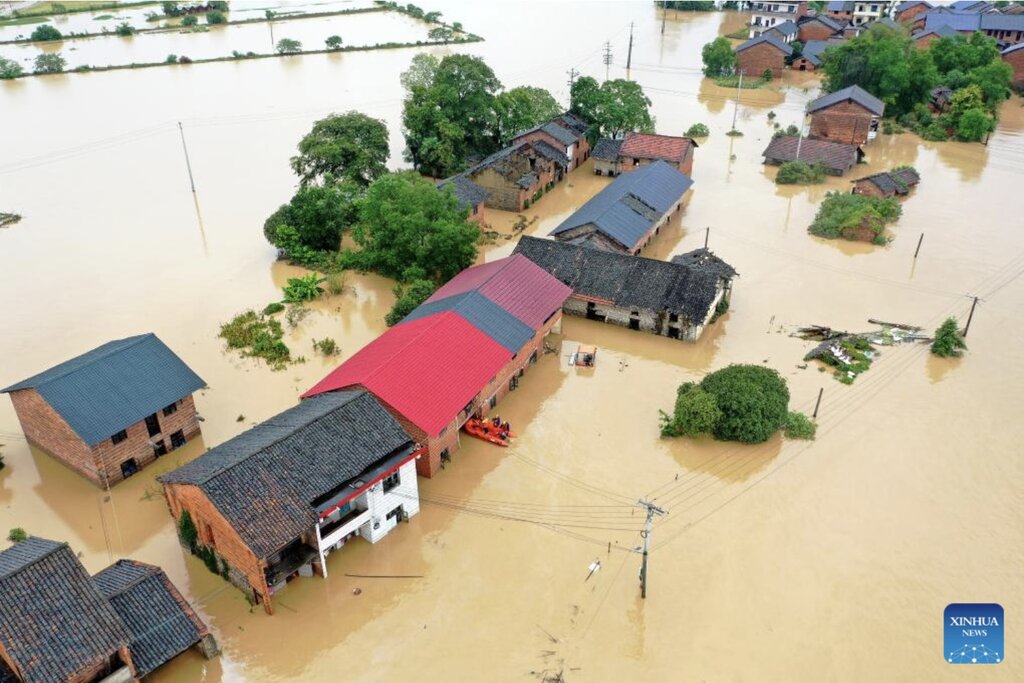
<point x="707" y="234"/>
<point x="970" y="316"/>
<point x="664" y="13"/>
<point x="652" y="510"/>
<point x="573" y="73"/>
<point x="817" y="403"/>
<point x="188" y="164"/>
<point x="607" y="58"/>
<point x="919" y="240"/>
<point x="739" y="87"/>
<point x="629" y="55"/>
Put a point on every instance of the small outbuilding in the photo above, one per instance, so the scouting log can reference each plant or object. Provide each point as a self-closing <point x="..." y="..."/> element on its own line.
<point x="925" y="37"/>
<point x="810" y="58"/>
<point x="470" y="196"/>
<point x="606" y="157"/>
<point x="785" y="31"/>
<point x="898" y="182"/>
<point x="851" y="115"/>
<point x="765" y="53"/>
<point x="111" y="411"/>
<point x="836" y="158"/>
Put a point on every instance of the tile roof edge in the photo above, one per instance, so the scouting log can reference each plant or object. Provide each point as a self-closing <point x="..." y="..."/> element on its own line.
<point x="151" y="570"/>
<point x="51" y="551"/>
<point x="136" y="340"/>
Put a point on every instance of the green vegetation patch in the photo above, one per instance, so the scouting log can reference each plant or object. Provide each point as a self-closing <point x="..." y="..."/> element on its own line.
<point x="948" y="343"/>
<point x="849" y="356"/>
<point x="799" y="426"/>
<point x="800" y="173"/>
<point x="854" y="217"/>
<point x="257" y="336"/>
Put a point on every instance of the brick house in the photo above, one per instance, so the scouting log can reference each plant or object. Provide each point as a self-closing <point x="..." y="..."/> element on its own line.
<point x="835" y="158"/>
<point x="1014" y="56"/>
<point x="908" y="12"/>
<point x="273" y="502"/>
<point x="111" y="411"/>
<point x="850" y="115"/>
<point x="765" y="15"/>
<point x="925" y="37"/>
<point x="642" y="149"/>
<point x="458" y="354"/>
<point x="840" y="10"/>
<point x="1006" y="28"/>
<point x="786" y="31"/>
<point x="811" y="57"/>
<point x="606" y="157"/>
<point x="566" y="132"/>
<point x="887" y="184"/>
<point x="628" y="213"/>
<point x="518" y="175"/>
<point x="817" y="28"/>
<point x="58" y="624"/>
<point x="677" y="299"/>
<point x="469" y="195"/>
<point x="763" y="53"/>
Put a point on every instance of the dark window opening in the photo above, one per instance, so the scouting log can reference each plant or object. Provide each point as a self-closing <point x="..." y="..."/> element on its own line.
<point x="119" y="437"/>
<point x="153" y="425"/>
<point x="160" y="448"/>
<point x="177" y="439"/>
<point x="634" y="324"/>
<point x="391" y="481"/>
<point x="476" y="209"/>
<point x="398" y="513"/>
<point x="494" y="400"/>
<point x="673" y="317"/>
<point x="129" y="467"/>
<point x="171" y="409"/>
<point x="446" y="456"/>
<point x="533" y="358"/>
<point x="673" y="332"/>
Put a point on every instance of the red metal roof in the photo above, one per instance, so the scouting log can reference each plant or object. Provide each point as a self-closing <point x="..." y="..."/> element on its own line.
<point x="645" y="146"/>
<point x="427" y="369"/>
<point x="514" y="283"/>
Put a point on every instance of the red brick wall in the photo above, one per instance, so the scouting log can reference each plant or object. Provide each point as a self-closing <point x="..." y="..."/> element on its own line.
<point x="476" y="214"/>
<point x="813" y="30"/>
<point x="925" y="41"/>
<point x="843" y="122"/>
<point x="755" y="60"/>
<point x="685" y="166"/>
<point x="225" y="540"/>
<point x="803" y="64"/>
<point x="908" y="16"/>
<point x="1016" y="61"/>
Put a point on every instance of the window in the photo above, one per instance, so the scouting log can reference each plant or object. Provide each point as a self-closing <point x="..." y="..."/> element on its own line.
<point x="533" y="357"/>
<point x="160" y="448"/>
<point x="673" y="317"/>
<point x="171" y="409"/>
<point x="494" y="400"/>
<point x="398" y="513"/>
<point x="119" y="437"/>
<point x="392" y="480"/>
<point x="476" y="209"/>
<point x="177" y="439"/>
<point x="129" y="467"/>
<point x="153" y="425"/>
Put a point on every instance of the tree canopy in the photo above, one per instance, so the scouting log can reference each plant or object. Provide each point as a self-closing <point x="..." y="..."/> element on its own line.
<point x="521" y="108"/>
<point x="49" y="63"/>
<point x="719" y="59"/>
<point x="350" y="146"/>
<point x="10" y="68"/>
<point x="753" y="400"/>
<point x="613" y="108"/>
<point x="948" y="342"/>
<point x="962" y="62"/>
<point x="408" y="230"/>
<point x="45" y="32"/>
<point x="316" y="216"/>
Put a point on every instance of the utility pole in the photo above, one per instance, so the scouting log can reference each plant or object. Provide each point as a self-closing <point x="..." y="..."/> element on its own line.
<point x="573" y="73"/>
<point x="818" y="402"/>
<point x="736" y="111"/>
<point x="652" y="510"/>
<point x="970" y="316"/>
<point x="664" y="13"/>
<point x="629" y="55"/>
<point x="707" y="234"/>
<point x="919" y="240"/>
<point x="188" y="164"/>
<point x="607" y="58"/>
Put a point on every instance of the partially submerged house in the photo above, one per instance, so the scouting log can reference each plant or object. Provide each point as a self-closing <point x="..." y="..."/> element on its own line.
<point x="566" y="132"/>
<point x="835" y="158"/>
<point x="811" y="57"/>
<point x="762" y="54"/>
<point x="612" y="157"/>
<point x="851" y="115"/>
<point x="275" y="501"/>
<point x="469" y="195"/>
<point x="1014" y="56"/>
<point x="625" y="215"/>
<point x="820" y="27"/>
<point x="907" y="12"/>
<point x="676" y="299"/>
<point x="887" y="184"/>
<point x="58" y="624"/>
<point x="457" y="354"/>
<point x="1006" y="28"/>
<point x="110" y="411"/>
<point x="518" y="175"/>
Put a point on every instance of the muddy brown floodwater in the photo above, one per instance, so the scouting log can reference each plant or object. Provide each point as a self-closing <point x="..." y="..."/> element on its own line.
<point x="785" y="561"/>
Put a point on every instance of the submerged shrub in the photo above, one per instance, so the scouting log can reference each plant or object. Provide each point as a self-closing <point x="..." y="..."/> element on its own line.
<point x="948" y="342"/>
<point x="799" y="426"/>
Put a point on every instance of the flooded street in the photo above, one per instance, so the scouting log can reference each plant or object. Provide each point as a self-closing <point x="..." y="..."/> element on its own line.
<point x="831" y="560"/>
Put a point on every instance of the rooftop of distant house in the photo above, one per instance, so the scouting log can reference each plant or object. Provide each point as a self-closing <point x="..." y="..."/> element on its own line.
<point x="893" y="182"/>
<point x="853" y="93"/>
<point x="832" y="155"/>
<point x="765" y="38"/>
<point x="670" y="148"/>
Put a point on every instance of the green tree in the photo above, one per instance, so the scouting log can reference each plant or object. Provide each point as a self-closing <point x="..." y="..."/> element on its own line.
<point x="10" y="69"/>
<point x="408" y="297"/>
<point x="45" y="32"/>
<point x="49" y="63"/>
<point x="350" y="146"/>
<point x="124" y="29"/>
<point x="408" y="230"/>
<point x="974" y="125"/>
<point x="317" y="216"/>
<point x="448" y="113"/>
<point x="287" y="46"/>
<point x="441" y="33"/>
<point x="333" y="42"/>
<point x="719" y="59"/>
<point x="613" y="108"/>
<point x="799" y="426"/>
<point x="948" y="342"/>
<point x="521" y="108"/>
<point x="696" y="410"/>
<point x="171" y="9"/>
<point x="698" y="130"/>
<point x="214" y="17"/>
<point x="17" y="535"/>
<point x="754" y="401"/>
<point x="886" y="64"/>
<point x="306" y="288"/>
<point x="190" y="20"/>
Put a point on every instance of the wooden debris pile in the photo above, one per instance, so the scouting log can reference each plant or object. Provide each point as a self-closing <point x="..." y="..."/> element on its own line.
<point x="851" y="353"/>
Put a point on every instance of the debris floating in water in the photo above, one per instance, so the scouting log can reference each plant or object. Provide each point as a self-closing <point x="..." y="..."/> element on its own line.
<point x="852" y="353"/>
<point x="9" y="219"/>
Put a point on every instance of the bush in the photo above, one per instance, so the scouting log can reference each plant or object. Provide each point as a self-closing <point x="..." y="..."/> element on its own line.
<point x="305" y="288"/>
<point x="296" y="314"/>
<point x="214" y="17"/>
<point x="124" y="29"/>
<point x="789" y="131"/>
<point x="767" y="76"/>
<point x="17" y="535"/>
<point x="333" y="42"/>
<point x="326" y="346"/>
<point x="336" y="283"/>
<point x="171" y="59"/>
<point x="800" y="173"/>
<point x="948" y="342"/>
<point x="10" y="69"/>
<point x="799" y="426"/>
<point x="287" y="46"/>
<point x="187" y="531"/>
<point x="718" y="58"/>
<point x="46" y="32"/>
<point x="273" y="308"/>
<point x="190" y="20"/>
<point x="49" y="63"/>
<point x="257" y="336"/>
<point x="171" y="9"/>
<point x="698" y="130"/>
<point x="753" y="400"/>
<point x="850" y="215"/>
<point x="696" y="410"/>
<point x="974" y="125"/>
<point x="408" y="297"/>
<point x="184" y="60"/>
<point x="219" y="5"/>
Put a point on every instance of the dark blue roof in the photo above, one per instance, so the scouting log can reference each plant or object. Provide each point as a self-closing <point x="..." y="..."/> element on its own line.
<point x="482" y="313"/>
<point x="960" y="21"/>
<point x="628" y="207"/>
<point x="854" y="93"/>
<point x="765" y="38"/>
<point x="813" y="49"/>
<point x="943" y="31"/>
<point x="114" y="386"/>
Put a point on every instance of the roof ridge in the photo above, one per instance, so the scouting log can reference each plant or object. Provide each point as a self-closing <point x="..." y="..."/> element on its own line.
<point x="51" y="551"/>
<point x="151" y="571"/>
<point x="135" y="340"/>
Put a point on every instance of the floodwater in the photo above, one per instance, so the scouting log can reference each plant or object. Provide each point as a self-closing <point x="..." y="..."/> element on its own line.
<point x="785" y="561"/>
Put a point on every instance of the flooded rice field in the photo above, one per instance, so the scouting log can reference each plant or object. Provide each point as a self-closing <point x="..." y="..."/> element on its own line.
<point x="785" y="561"/>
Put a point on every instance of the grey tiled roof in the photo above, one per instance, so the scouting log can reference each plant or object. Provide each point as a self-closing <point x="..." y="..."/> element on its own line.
<point x="265" y="480"/>
<point x="904" y="6"/>
<point x="627" y="208"/>
<point x="943" y="31"/>
<point x="765" y="38"/>
<point x="573" y="122"/>
<point x="53" y="620"/>
<point x="786" y="28"/>
<point x="855" y="93"/>
<point x="564" y="134"/>
<point x="468" y="193"/>
<point x="160" y="623"/>
<point x="705" y="259"/>
<point x="959" y="21"/>
<point x="482" y="313"/>
<point x="825" y="20"/>
<point x="547" y="151"/>
<point x="834" y="155"/>
<point x="1002" y="22"/>
<point x="607" y="149"/>
<point x="631" y="282"/>
<point x="814" y="48"/>
<point x="898" y="182"/>
<point x="114" y="386"/>
<point x="839" y="6"/>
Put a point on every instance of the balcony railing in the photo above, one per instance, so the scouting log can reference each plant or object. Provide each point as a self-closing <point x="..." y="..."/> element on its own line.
<point x="335" y="531"/>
